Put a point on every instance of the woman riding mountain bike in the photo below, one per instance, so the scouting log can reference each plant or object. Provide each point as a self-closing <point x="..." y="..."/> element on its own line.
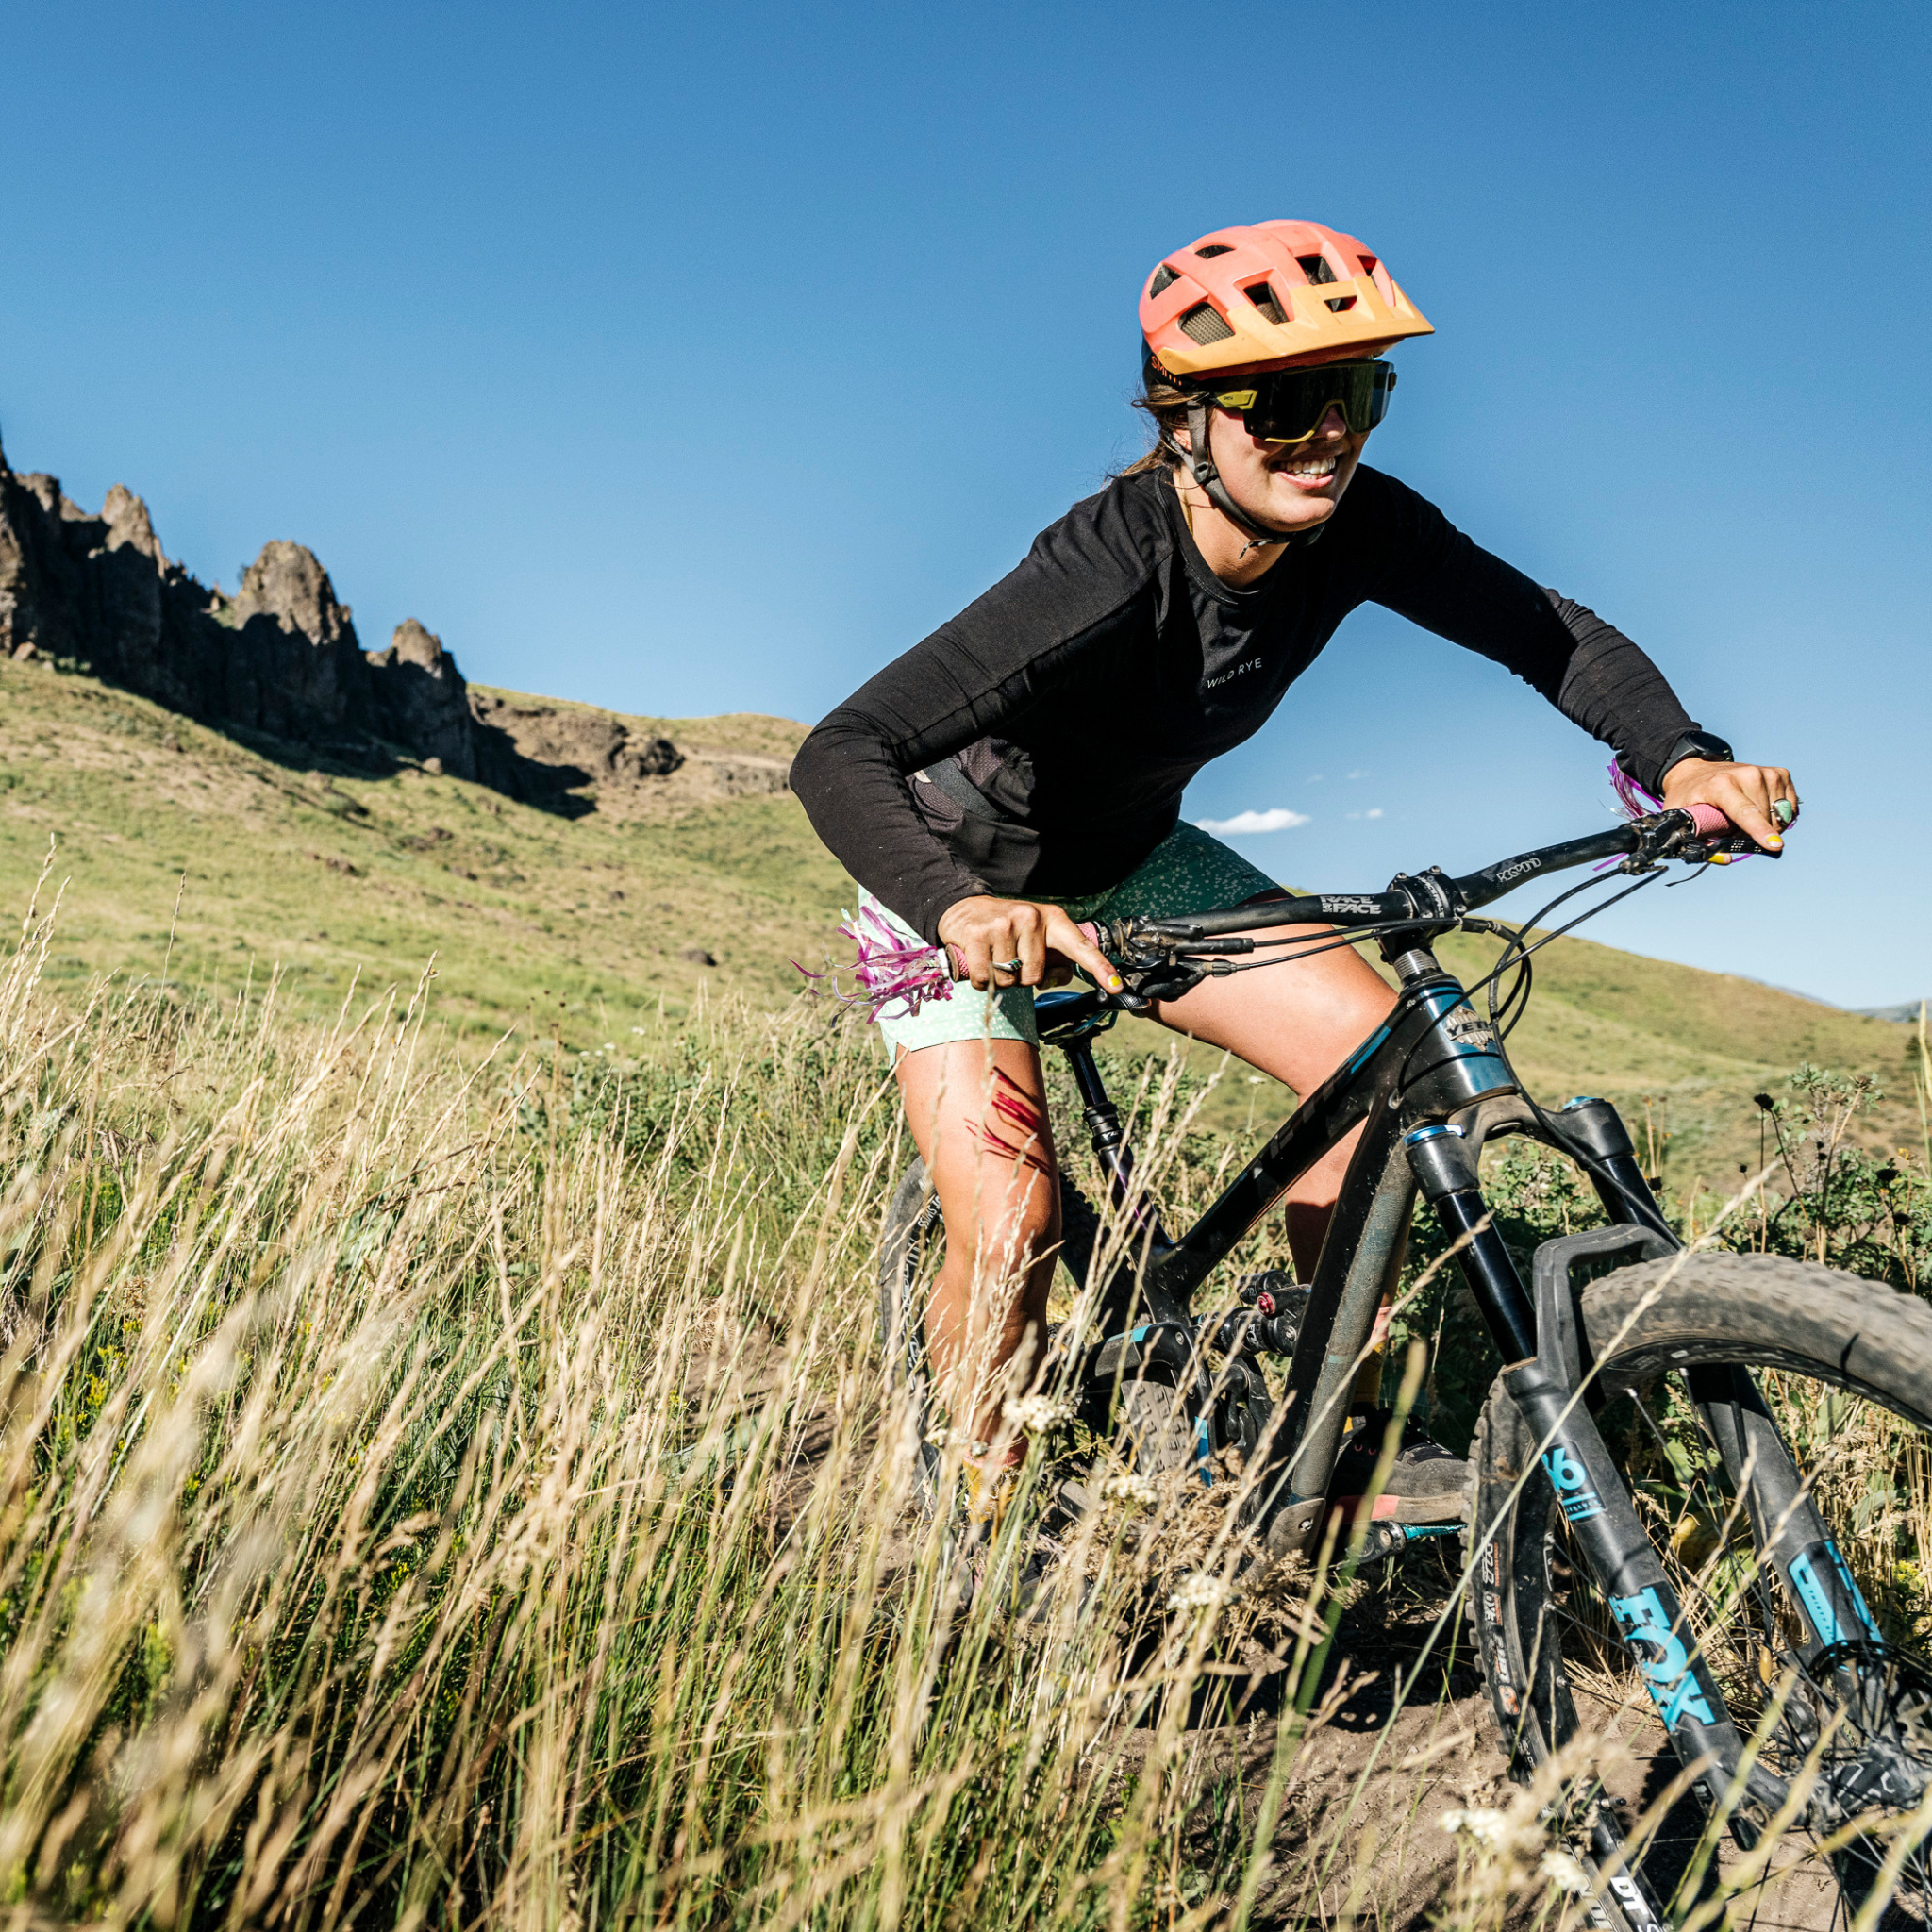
<point x="1021" y="768"/>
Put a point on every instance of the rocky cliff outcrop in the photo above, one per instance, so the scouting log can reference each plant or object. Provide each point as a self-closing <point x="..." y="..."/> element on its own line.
<point x="591" y="745"/>
<point x="295" y="666"/>
<point x="280" y="661"/>
<point x="280" y="657"/>
<point x="424" y="701"/>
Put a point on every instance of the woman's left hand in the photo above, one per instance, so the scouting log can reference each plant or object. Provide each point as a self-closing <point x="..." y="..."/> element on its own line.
<point x="1744" y="793"/>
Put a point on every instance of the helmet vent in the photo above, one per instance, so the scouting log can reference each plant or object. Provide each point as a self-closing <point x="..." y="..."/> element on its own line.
<point x="1342" y="303"/>
<point x="1316" y="268"/>
<point x="1262" y="296"/>
<point x="1213" y="249"/>
<point x="1163" y="276"/>
<point x="1201" y="324"/>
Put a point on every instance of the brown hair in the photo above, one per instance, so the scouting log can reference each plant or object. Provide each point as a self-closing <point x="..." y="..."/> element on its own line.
<point x="1166" y="407"/>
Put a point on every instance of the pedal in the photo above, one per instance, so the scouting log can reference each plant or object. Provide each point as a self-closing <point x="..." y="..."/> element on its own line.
<point x="1386" y="1539"/>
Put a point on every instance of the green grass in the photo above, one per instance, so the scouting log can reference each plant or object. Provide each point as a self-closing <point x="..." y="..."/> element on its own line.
<point x="328" y="879"/>
<point x="464" y="1498"/>
<point x="578" y="927"/>
<point x="444" y="1493"/>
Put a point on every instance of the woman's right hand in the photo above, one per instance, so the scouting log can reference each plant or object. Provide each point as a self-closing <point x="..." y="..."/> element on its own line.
<point x="1042" y="939"/>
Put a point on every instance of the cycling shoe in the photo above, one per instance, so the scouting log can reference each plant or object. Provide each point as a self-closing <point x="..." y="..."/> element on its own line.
<point x="1426" y="1483"/>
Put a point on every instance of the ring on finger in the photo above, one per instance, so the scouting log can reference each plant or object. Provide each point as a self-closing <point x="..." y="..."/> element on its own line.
<point x="1006" y="965"/>
<point x="1783" y="810"/>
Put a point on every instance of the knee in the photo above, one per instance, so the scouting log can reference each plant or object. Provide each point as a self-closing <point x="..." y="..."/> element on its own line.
<point x="1021" y="1223"/>
<point x="1031" y="1222"/>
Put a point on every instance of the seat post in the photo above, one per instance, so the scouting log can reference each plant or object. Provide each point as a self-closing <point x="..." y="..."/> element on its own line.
<point x="1108" y="1140"/>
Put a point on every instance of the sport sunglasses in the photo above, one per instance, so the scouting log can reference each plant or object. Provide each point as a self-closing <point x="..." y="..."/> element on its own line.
<point x="1288" y="404"/>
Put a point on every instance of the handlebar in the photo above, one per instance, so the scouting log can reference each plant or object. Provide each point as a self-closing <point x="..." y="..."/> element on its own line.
<point x="1699" y="835"/>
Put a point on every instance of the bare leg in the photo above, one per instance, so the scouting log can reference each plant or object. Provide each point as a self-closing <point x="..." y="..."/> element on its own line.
<point x="1298" y="1021"/>
<point x="977" y="1112"/>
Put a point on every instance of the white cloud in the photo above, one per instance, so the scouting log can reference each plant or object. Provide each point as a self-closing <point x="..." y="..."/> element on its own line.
<point x="1357" y="775"/>
<point x="1375" y="811"/>
<point x="1277" y="820"/>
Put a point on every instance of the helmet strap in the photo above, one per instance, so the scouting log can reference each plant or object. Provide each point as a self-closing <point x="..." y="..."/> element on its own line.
<point x="1201" y="466"/>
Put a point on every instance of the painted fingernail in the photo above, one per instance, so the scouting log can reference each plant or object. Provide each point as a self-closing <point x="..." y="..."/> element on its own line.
<point x="1114" y="984"/>
<point x="1773" y="840"/>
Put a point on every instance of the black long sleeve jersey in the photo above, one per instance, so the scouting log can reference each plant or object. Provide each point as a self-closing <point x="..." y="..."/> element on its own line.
<point x="1084" y="691"/>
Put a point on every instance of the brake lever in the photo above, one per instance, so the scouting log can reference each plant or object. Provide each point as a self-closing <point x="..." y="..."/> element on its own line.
<point x="1148" y="967"/>
<point x="1148" y="985"/>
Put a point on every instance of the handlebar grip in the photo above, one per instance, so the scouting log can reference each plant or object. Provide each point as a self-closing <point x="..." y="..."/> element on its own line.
<point x="955" y="960"/>
<point x="1723" y="841"/>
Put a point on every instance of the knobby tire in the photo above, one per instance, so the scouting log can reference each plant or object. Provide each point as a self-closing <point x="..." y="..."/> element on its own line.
<point x="1533" y="1609"/>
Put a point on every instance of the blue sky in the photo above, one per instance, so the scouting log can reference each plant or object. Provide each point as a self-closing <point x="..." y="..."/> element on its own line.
<point x="694" y="360"/>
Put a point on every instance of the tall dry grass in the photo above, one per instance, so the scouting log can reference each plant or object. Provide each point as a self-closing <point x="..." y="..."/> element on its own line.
<point x="465" y="1497"/>
<point x="468" y="1496"/>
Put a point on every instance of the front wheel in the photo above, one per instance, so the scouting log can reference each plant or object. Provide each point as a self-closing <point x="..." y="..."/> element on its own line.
<point x="1844" y="1368"/>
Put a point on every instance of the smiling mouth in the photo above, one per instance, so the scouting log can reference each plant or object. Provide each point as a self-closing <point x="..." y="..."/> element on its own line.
<point x="1308" y="473"/>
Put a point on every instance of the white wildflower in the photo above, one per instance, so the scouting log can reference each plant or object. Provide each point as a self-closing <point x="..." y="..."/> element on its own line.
<point x="1565" y="1873"/>
<point x="1131" y="1488"/>
<point x="1486" y="1828"/>
<point x="1199" y="1591"/>
<point x="1036" y="1414"/>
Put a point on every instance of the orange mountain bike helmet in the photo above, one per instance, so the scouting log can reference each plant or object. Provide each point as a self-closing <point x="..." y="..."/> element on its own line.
<point x="1247" y="300"/>
<point x="1272" y="296"/>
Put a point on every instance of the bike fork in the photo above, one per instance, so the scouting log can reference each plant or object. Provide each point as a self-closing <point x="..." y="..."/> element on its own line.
<point x="1791" y="1535"/>
<point x="1545" y="1381"/>
<point x="1789" y="1532"/>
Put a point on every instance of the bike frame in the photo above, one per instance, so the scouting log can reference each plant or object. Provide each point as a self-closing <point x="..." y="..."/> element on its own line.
<point x="1427" y="1089"/>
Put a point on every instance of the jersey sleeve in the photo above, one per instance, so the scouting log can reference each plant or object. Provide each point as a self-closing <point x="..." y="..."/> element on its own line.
<point x="1084" y="579"/>
<point x="1432" y="574"/>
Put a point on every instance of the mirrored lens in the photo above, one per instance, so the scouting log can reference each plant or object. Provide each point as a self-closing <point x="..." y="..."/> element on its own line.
<point x="1288" y="405"/>
<point x="1378" y="397"/>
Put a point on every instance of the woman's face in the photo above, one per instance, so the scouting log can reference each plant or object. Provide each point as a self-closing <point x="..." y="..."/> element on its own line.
<point x="1285" y="487"/>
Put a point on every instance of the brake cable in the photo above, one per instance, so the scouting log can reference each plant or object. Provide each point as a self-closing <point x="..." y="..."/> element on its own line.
<point x="1559" y="1133"/>
<point x="1220" y="970"/>
<point x="1515" y="953"/>
<point x="1218" y="966"/>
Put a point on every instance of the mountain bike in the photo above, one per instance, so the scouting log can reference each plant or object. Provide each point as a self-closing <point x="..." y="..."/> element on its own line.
<point x="1704" y="1474"/>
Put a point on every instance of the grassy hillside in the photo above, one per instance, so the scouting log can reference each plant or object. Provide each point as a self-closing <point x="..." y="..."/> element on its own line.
<point x="330" y="879"/>
<point x="440" y="1500"/>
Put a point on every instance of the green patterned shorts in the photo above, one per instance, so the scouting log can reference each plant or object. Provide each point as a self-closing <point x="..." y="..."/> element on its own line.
<point x="1188" y="872"/>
